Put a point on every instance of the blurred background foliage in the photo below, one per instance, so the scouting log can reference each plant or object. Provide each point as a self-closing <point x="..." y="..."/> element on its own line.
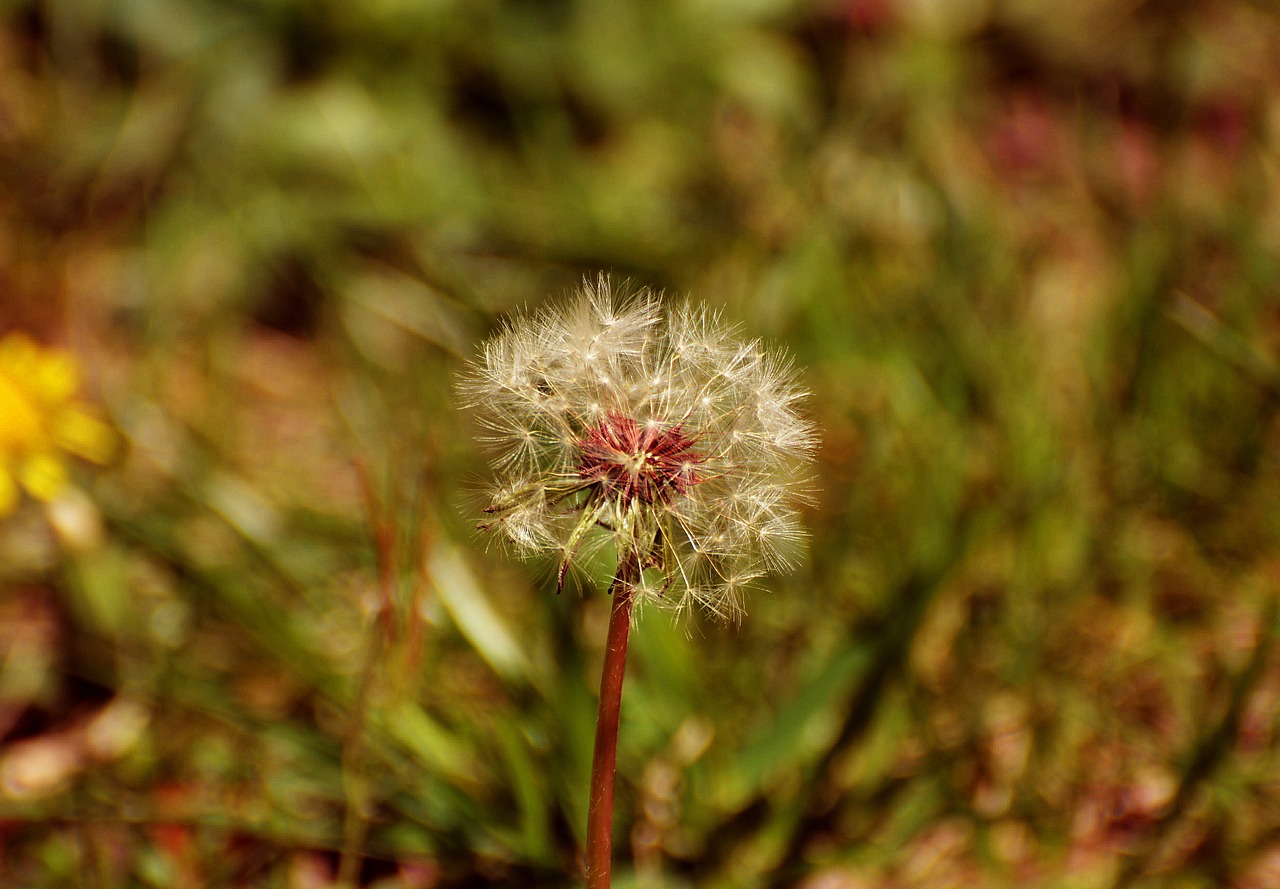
<point x="1026" y="251"/>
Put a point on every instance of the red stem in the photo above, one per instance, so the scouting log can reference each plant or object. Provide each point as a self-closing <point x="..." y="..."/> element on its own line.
<point x="603" y="762"/>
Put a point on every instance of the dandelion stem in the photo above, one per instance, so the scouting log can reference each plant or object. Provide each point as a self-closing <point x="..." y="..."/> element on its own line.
<point x="603" y="761"/>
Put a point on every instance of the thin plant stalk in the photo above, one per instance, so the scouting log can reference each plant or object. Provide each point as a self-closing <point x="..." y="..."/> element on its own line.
<point x="604" y="760"/>
<point x="381" y="636"/>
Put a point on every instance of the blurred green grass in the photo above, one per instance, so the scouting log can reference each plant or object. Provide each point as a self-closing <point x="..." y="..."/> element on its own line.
<point x="1026" y="253"/>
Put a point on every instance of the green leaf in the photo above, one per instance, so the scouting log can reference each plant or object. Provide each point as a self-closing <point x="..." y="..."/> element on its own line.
<point x="480" y="624"/>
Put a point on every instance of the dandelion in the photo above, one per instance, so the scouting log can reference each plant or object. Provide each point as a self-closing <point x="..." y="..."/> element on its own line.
<point x="41" y="421"/>
<point x="621" y="422"/>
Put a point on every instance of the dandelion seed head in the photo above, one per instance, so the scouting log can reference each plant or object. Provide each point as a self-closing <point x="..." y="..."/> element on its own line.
<point x="617" y="419"/>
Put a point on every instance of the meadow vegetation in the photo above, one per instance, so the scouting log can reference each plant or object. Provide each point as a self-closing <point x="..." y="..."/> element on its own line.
<point x="1025" y="254"/>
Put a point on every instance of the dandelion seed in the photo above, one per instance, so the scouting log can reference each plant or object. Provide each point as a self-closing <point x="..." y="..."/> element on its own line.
<point x="618" y="420"/>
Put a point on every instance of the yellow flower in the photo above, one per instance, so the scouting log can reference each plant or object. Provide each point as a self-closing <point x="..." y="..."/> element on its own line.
<point x="41" y="421"/>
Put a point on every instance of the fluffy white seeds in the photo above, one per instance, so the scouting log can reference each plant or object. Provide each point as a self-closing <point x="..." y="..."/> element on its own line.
<point x="620" y="421"/>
